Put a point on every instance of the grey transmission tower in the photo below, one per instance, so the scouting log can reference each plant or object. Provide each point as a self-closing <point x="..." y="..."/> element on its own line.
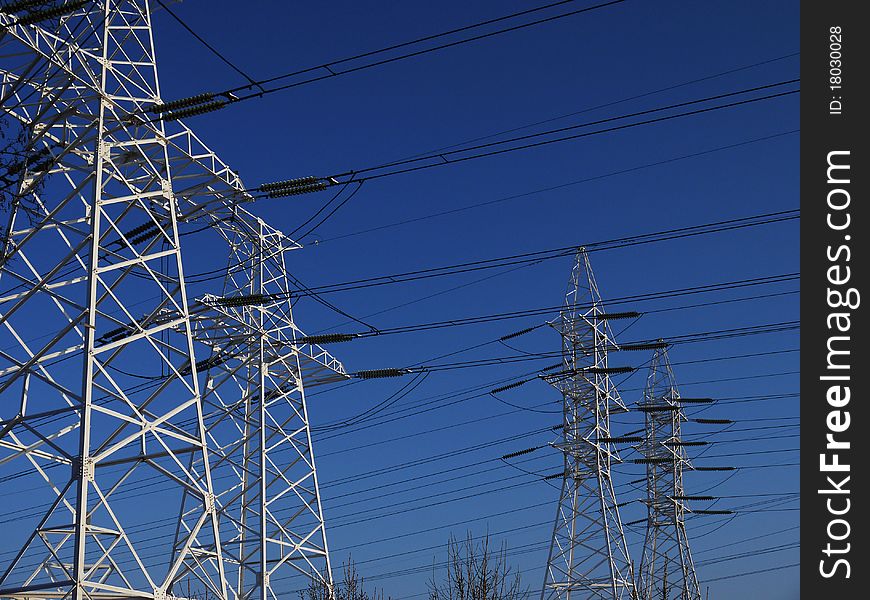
<point x="93" y="303"/>
<point x="589" y="556"/>
<point x="666" y="568"/>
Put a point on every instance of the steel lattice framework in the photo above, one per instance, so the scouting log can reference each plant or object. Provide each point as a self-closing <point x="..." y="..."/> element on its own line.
<point x="258" y="423"/>
<point x="666" y="569"/>
<point x="92" y="272"/>
<point x="588" y="556"/>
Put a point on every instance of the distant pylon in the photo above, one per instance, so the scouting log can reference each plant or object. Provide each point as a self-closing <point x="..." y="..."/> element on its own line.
<point x="589" y="556"/>
<point x="666" y="569"/>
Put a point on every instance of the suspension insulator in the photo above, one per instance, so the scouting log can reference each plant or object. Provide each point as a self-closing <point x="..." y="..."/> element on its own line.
<point x="713" y="421"/>
<point x="619" y="315"/>
<point x="145" y="236"/>
<point x="713" y="512"/>
<point x="381" y="373"/>
<point x="553" y="476"/>
<point x="51" y="13"/>
<point x="328" y="338"/>
<point x="653" y="460"/>
<point x="113" y="335"/>
<point x="310" y="188"/>
<point x="649" y="408"/>
<point x="213" y="361"/>
<point x="246" y="300"/>
<point x="649" y="346"/>
<point x="520" y="452"/>
<point x="140" y="229"/>
<point x="685" y="444"/>
<point x="287" y="183"/>
<point x="609" y="370"/>
<point x="626" y="439"/>
<point x="516" y="334"/>
<point x="714" y="468"/>
<point x="11" y="7"/>
<point x="182" y="103"/>
<point x="695" y="400"/>
<point x="194" y="110"/>
<point x="698" y="498"/>
<point x="509" y="386"/>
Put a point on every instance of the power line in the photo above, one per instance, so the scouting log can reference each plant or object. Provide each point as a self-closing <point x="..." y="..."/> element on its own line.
<point x="211" y="48"/>
<point x="209" y="101"/>
<point x="291" y="187"/>
<point x="614" y="102"/>
<point x="361" y="174"/>
<point x="529" y="257"/>
<point x="554" y="253"/>
<point x="559" y="186"/>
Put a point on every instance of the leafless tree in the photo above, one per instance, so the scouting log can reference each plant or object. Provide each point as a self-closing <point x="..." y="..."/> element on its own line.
<point x="476" y="571"/>
<point x="351" y="587"/>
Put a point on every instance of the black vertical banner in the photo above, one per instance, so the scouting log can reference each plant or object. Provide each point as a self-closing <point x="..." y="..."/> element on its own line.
<point x="835" y="66"/>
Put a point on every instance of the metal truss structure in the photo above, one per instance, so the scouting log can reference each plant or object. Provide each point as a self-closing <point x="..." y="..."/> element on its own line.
<point x="588" y="556"/>
<point x="666" y="569"/>
<point x="116" y="390"/>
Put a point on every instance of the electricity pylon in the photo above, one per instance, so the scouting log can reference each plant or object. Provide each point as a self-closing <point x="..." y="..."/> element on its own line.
<point x="589" y="556"/>
<point x="71" y="272"/>
<point x="92" y="257"/>
<point x="258" y="425"/>
<point x="666" y="569"/>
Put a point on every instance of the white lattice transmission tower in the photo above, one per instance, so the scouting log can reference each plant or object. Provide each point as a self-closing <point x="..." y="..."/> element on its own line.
<point x="118" y="390"/>
<point x="588" y="557"/>
<point x="666" y="570"/>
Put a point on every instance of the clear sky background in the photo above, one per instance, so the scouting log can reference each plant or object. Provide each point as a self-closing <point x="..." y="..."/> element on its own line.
<point x="393" y="517"/>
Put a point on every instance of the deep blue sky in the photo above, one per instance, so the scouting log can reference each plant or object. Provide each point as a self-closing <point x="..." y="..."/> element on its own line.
<point x="455" y="95"/>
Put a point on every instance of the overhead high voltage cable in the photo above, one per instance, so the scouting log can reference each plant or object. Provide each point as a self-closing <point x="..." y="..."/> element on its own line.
<point x="211" y="48"/>
<point x="309" y="184"/>
<point x="212" y="101"/>
<point x="733" y="332"/>
<point x="329" y="338"/>
<point x="529" y="257"/>
<point x="589" y="179"/>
